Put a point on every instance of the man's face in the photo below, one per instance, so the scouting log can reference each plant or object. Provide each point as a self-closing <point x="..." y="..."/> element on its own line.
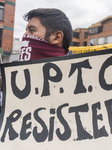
<point x="35" y="28"/>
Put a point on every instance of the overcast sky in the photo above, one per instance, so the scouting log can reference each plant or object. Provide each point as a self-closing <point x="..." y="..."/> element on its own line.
<point x="81" y="13"/>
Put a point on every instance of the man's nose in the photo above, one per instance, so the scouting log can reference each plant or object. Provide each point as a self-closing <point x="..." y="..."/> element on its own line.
<point x="26" y="32"/>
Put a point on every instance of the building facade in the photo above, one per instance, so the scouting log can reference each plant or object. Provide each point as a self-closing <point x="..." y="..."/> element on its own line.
<point x="97" y="34"/>
<point x="16" y="50"/>
<point x="7" y="13"/>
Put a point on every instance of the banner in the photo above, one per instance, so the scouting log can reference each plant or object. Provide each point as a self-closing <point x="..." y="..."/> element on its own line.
<point x="85" y="49"/>
<point x="61" y="103"/>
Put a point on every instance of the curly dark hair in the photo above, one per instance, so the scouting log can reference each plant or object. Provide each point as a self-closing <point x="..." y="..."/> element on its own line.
<point x="53" y="20"/>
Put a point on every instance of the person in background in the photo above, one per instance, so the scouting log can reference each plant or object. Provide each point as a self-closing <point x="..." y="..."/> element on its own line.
<point x="48" y="34"/>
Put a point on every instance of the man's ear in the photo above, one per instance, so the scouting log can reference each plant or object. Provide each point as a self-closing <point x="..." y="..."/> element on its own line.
<point x="58" y="38"/>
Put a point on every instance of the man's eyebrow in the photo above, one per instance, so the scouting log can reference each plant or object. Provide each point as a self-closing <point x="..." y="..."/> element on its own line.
<point x="31" y="26"/>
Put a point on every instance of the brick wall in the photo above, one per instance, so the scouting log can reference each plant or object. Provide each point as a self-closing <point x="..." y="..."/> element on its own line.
<point x="3" y="1"/>
<point x="7" y="41"/>
<point x="8" y="25"/>
<point x="107" y="27"/>
<point x="82" y="39"/>
<point x="75" y="40"/>
<point x="107" y="30"/>
<point x="9" y="15"/>
<point x="12" y="1"/>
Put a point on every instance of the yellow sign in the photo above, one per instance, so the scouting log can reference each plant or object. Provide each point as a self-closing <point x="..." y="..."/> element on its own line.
<point x="86" y="49"/>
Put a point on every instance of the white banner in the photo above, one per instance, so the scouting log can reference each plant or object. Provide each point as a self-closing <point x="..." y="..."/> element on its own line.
<point x="62" y="103"/>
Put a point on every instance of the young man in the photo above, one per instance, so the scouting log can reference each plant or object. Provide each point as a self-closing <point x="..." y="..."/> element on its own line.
<point x="48" y="34"/>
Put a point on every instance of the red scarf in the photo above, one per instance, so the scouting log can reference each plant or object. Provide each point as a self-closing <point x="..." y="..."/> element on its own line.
<point x="36" y="48"/>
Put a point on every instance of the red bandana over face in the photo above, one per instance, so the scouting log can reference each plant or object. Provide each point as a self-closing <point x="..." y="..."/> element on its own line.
<point x="36" y="48"/>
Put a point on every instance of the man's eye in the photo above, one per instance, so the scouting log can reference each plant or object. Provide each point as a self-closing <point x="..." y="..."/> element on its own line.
<point x="32" y="30"/>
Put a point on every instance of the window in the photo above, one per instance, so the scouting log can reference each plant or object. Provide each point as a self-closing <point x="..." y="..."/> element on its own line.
<point x="76" y="35"/>
<point x="96" y="30"/>
<point x="0" y="39"/>
<point x="86" y="34"/>
<point x="85" y="43"/>
<point x="109" y="39"/>
<point x="74" y="44"/>
<point x="101" y="40"/>
<point x="100" y="29"/>
<point x="17" y="39"/>
<point x="92" y="42"/>
<point x="1" y="11"/>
